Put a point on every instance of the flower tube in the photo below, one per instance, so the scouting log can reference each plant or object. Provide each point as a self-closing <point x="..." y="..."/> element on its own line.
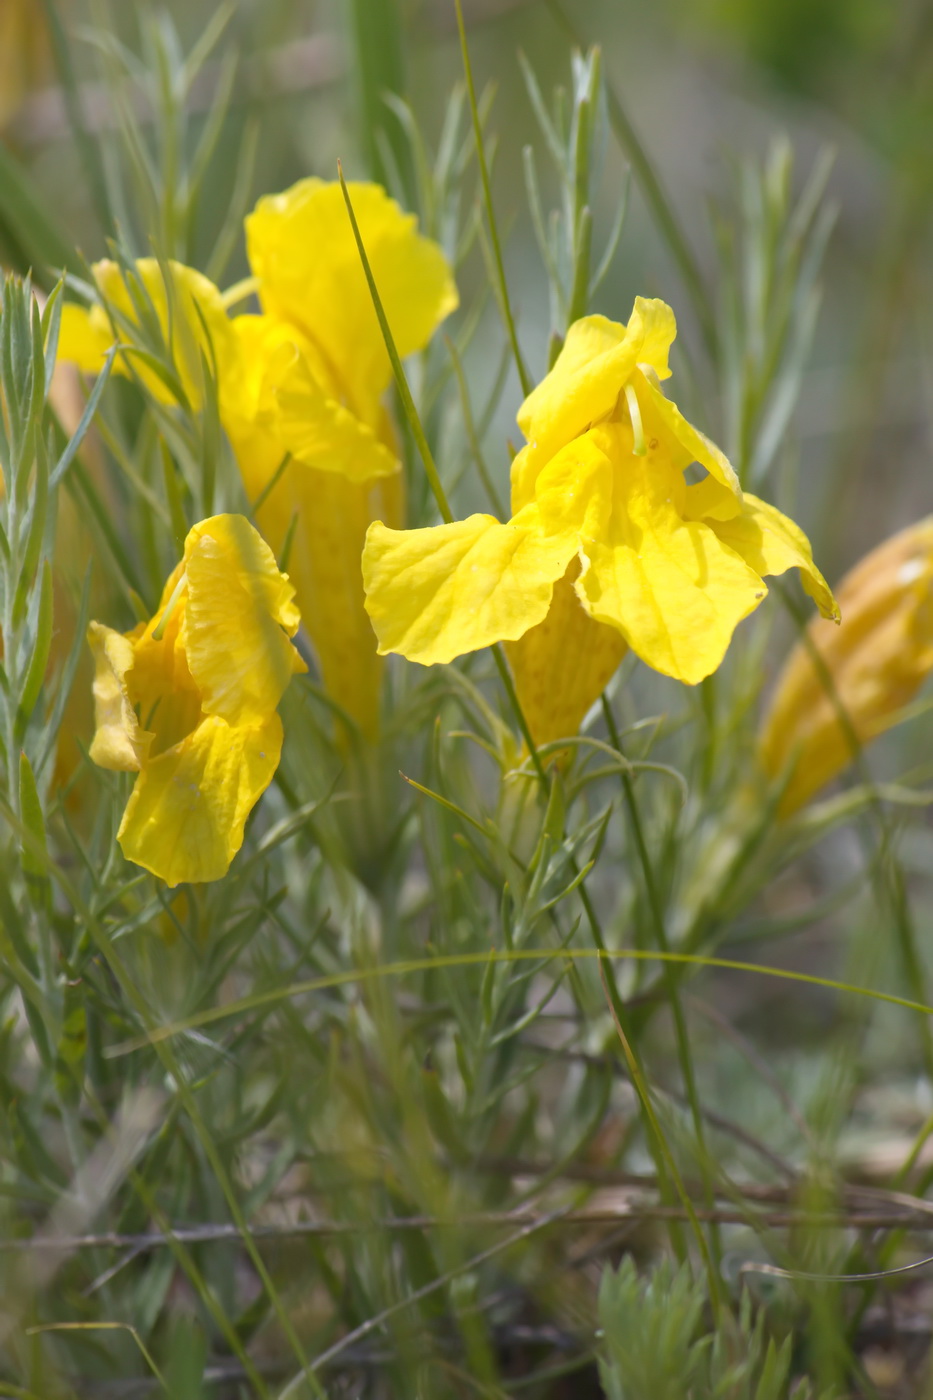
<point x="325" y="406"/>
<point x="875" y="663"/>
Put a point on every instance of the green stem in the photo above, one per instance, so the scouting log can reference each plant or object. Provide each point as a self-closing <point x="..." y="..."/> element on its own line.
<point x="417" y="429"/>
<point x="663" y="1151"/>
<point x="503" y="291"/>
<point x="669" y="974"/>
<point x="652" y="189"/>
<point x="408" y="403"/>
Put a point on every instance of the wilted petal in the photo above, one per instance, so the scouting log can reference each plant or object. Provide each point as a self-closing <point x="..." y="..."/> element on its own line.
<point x="301" y="247"/>
<point x="119" y="742"/>
<point x="436" y="593"/>
<point x="185" y="817"/>
<point x="239" y="616"/>
<point x="673" y="589"/>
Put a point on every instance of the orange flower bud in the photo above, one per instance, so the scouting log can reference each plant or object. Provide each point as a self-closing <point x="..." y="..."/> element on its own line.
<point x="878" y="658"/>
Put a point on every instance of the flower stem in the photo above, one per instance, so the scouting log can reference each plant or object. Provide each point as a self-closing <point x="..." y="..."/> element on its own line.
<point x="503" y="291"/>
<point x="670" y="978"/>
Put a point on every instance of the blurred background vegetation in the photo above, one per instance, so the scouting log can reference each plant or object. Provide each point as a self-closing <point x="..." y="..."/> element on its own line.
<point x="712" y="88"/>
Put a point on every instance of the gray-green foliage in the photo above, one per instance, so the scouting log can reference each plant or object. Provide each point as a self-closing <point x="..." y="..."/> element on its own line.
<point x="656" y="1342"/>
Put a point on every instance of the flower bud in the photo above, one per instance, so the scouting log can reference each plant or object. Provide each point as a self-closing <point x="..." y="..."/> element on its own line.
<point x="877" y="659"/>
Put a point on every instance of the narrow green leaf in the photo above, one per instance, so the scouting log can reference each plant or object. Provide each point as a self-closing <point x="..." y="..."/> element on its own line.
<point x="377" y="36"/>
<point x="66" y="677"/>
<point x="33" y="845"/>
<point x="504" y="303"/>
<point x="90" y="408"/>
<point x="408" y="403"/>
<point x="176" y="507"/>
<point x="35" y="675"/>
<point x="35" y="535"/>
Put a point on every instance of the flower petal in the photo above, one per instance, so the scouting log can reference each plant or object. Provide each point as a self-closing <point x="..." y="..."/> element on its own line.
<point x="332" y="517"/>
<point x="596" y="361"/>
<point x="434" y="594"/>
<point x="301" y="247"/>
<point x="653" y="320"/>
<point x="85" y="337"/>
<point x="772" y="544"/>
<point x="119" y="742"/>
<point x="663" y="419"/>
<point x="562" y="665"/>
<point x="319" y="431"/>
<point x="673" y="589"/>
<point x="598" y="357"/>
<point x="573" y="493"/>
<point x="239" y="615"/>
<point x="185" y="817"/>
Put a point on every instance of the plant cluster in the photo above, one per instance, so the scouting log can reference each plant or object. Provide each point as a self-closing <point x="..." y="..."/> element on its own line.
<point x="378" y="874"/>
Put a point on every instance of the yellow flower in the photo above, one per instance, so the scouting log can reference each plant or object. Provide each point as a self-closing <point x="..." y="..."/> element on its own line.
<point x="306" y="378"/>
<point x="325" y="406"/>
<point x="188" y="701"/>
<point x="188" y="317"/>
<point x="671" y="567"/>
<point x="877" y="660"/>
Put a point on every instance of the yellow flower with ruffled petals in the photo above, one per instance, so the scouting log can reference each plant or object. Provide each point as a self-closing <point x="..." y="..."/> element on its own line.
<point x="188" y="701"/>
<point x="599" y="491"/>
<point x="306" y="379"/>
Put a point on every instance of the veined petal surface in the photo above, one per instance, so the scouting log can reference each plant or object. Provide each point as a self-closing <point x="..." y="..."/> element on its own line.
<point x="321" y="432"/>
<point x="437" y="593"/>
<point x="593" y="367"/>
<point x="876" y="661"/>
<point x="670" y="585"/>
<point x="240" y="614"/>
<point x="663" y="420"/>
<point x="185" y="817"/>
<point x="562" y="666"/>
<point x="597" y="358"/>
